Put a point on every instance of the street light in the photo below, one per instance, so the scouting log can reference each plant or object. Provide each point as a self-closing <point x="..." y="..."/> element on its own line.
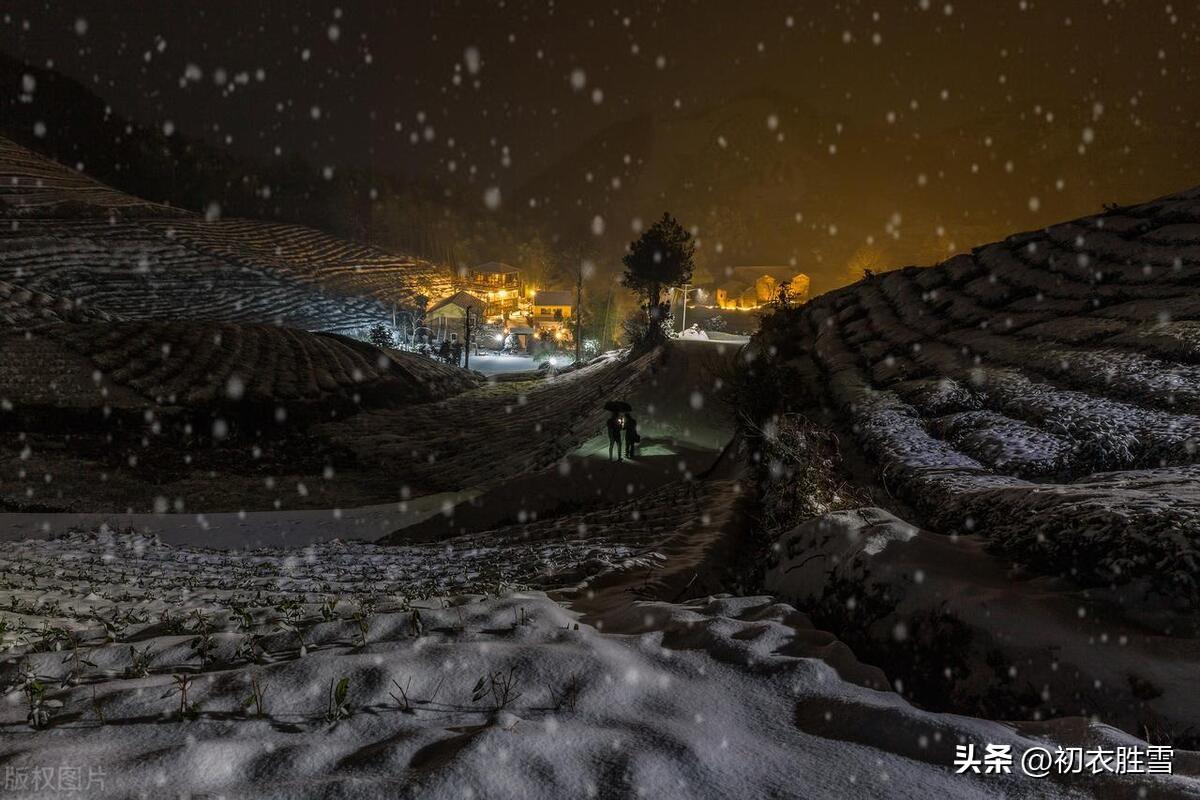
<point x="685" y="290"/>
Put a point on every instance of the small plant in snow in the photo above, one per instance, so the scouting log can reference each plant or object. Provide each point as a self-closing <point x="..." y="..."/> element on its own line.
<point x="257" y="695"/>
<point x="39" y="706"/>
<point x="205" y="642"/>
<point x="329" y="608"/>
<point x="139" y="662"/>
<point x="290" y="621"/>
<point x="77" y="662"/>
<point x="51" y="638"/>
<point x="520" y="617"/>
<point x="241" y="615"/>
<point x="187" y="710"/>
<point x="362" y="618"/>
<point x="500" y="686"/>
<point x="113" y="629"/>
<point x="402" y="700"/>
<point x="250" y="649"/>
<point x="98" y="707"/>
<point x="364" y="628"/>
<point x="417" y="626"/>
<point x="567" y="696"/>
<point x="172" y="626"/>
<point x="338" y="705"/>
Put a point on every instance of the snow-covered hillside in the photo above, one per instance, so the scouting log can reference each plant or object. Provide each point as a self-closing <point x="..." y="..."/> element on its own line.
<point x="1043" y="391"/>
<point x="66" y="234"/>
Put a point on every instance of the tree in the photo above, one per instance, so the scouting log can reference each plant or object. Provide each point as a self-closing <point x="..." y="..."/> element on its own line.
<point x="783" y="298"/>
<point x="381" y="336"/>
<point x="664" y="255"/>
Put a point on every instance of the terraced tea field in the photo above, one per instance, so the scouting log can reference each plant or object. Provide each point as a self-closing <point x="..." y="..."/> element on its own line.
<point x="1043" y="391"/>
<point x="198" y="416"/>
<point x="440" y="670"/>
<point x="21" y="309"/>
<point x="62" y="233"/>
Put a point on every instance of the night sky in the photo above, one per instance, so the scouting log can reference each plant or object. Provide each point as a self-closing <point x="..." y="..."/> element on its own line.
<point x="834" y="136"/>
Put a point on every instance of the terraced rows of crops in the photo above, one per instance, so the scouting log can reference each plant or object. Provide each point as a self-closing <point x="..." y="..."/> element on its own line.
<point x="199" y="364"/>
<point x="991" y="388"/>
<point x="23" y="309"/>
<point x="34" y="186"/>
<point x="67" y="235"/>
<point x="335" y="264"/>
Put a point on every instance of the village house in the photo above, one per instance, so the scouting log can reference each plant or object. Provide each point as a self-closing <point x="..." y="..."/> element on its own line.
<point x="447" y="318"/>
<point x="551" y="312"/>
<point x="751" y="287"/>
<point x="497" y="284"/>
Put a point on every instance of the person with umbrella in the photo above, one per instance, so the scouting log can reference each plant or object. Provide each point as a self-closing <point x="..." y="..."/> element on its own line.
<point x="615" y="426"/>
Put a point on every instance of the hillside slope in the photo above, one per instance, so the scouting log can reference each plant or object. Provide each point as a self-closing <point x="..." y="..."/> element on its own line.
<point x="1043" y="391"/>
<point x="66" y="234"/>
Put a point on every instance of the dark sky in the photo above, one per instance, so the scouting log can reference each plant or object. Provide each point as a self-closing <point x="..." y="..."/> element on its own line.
<point x="477" y="95"/>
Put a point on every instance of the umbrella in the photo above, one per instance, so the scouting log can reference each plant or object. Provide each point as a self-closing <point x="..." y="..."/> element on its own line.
<point x="617" y="406"/>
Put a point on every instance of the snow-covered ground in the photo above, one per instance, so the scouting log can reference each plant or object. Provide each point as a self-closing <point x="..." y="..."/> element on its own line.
<point x="990" y="390"/>
<point x="149" y="261"/>
<point x="501" y="363"/>
<point x="246" y="529"/>
<point x="1036" y="647"/>
<point x="333" y="672"/>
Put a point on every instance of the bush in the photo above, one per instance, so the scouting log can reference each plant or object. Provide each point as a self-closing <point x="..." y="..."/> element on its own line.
<point x="381" y="335"/>
<point x="636" y="327"/>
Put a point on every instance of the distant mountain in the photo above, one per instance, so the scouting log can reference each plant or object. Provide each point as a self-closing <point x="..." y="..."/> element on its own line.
<point x="58" y="117"/>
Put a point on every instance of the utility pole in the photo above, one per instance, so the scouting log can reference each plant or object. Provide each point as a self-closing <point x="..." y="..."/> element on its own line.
<point x="607" y="309"/>
<point x="578" y="314"/>
<point x="683" y="316"/>
<point x="467" y="343"/>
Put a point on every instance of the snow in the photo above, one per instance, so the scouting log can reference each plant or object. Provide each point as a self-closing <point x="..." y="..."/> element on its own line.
<point x="719" y="697"/>
<point x="246" y="529"/>
<point x="1057" y="637"/>
<point x="502" y="363"/>
<point x="1046" y="357"/>
<point x="149" y="261"/>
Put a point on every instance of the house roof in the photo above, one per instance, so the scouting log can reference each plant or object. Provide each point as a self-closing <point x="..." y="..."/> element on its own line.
<point x="498" y="267"/>
<point x="553" y="297"/>
<point x="751" y="272"/>
<point x="461" y="299"/>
